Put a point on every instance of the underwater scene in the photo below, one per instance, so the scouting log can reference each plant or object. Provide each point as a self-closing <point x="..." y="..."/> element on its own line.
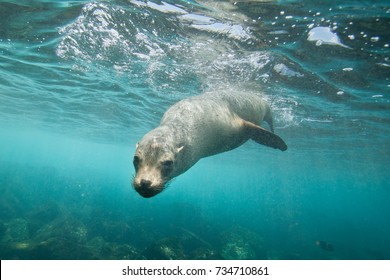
<point x="81" y="82"/>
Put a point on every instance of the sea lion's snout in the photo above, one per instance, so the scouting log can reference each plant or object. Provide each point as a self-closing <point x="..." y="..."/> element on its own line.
<point x="147" y="192"/>
<point x="146" y="189"/>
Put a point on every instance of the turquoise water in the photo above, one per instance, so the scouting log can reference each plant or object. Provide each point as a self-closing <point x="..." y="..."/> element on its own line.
<point x="82" y="81"/>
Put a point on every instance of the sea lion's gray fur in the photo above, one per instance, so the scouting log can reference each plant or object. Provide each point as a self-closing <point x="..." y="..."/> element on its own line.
<point x="198" y="127"/>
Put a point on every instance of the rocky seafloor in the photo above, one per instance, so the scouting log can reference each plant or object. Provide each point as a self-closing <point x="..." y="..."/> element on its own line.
<point x="46" y="215"/>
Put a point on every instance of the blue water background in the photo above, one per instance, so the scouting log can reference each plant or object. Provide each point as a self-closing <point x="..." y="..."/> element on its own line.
<point x="81" y="82"/>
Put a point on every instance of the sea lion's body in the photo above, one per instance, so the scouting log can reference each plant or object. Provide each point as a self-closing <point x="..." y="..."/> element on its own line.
<point x="199" y="127"/>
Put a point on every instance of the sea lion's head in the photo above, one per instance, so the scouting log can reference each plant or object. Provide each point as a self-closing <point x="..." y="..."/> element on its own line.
<point x="154" y="162"/>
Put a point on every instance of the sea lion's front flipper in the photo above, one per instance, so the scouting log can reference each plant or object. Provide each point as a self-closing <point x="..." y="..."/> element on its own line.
<point x="264" y="137"/>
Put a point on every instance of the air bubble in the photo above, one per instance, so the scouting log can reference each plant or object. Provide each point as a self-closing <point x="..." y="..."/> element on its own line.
<point x="374" y="39"/>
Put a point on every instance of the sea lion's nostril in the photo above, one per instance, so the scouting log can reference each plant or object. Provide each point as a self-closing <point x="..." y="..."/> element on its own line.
<point x="145" y="183"/>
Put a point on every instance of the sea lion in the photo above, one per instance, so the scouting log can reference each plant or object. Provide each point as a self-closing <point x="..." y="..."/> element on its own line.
<point x="198" y="127"/>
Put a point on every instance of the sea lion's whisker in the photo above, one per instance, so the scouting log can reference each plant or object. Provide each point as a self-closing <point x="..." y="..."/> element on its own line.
<point x="167" y="184"/>
<point x="132" y="180"/>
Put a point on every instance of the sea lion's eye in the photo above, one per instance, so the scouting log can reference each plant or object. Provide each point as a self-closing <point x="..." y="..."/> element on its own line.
<point x="136" y="161"/>
<point x="166" y="167"/>
<point x="167" y="164"/>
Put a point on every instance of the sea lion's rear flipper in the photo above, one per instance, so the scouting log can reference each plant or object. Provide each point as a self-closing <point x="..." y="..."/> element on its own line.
<point x="264" y="137"/>
<point x="268" y="118"/>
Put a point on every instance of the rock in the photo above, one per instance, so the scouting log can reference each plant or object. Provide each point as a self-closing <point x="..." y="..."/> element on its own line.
<point x="203" y="253"/>
<point x="16" y="230"/>
<point x="65" y="228"/>
<point x="166" y="249"/>
<point x="239" y="243"/>
<point x="101" y="249"/>
<point x="46" y="213"/>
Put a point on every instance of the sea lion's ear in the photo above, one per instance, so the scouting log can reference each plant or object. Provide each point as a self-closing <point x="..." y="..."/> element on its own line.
<point x="179" y="149"/>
